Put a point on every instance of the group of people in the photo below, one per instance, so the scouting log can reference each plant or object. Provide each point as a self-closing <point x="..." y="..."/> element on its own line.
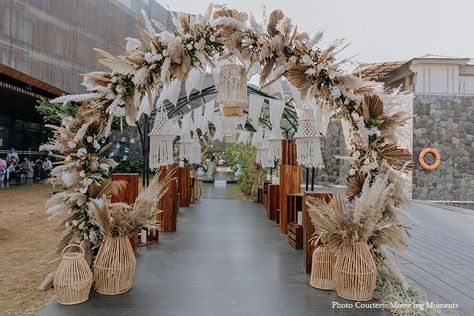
<point x="13" y="165"/>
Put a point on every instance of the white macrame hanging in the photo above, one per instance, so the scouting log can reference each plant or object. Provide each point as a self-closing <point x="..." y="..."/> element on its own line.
<point x="275" y="137"/>
<point x="161" y="140"/>
<point x="232" y="89"/>
<point x="308" y="146"/>
<point x="195" y="157"/>
<point x="255" y="107"/>
<point x="185" y="143"/>
<point x="263" y="154"/>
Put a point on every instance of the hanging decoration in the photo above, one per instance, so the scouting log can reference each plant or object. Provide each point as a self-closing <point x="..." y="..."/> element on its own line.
<point x="275" y="137"/>
<point x="161" y="140"/>
<point x="195" y="157"/>
<point x="308" y="147"/>
<point x="185" y="143"/>
<point x="232" y="93"/>
<point x="255" y="108"/>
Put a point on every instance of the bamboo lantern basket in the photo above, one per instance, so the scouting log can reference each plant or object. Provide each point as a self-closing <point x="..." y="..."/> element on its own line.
<point x="114" y="266"/>
<point x="73" y="280"/>
<point x="322" y="269"/>
<point x="355" y="273"/>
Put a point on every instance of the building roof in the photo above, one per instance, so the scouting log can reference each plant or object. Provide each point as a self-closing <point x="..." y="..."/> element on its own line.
<point x="377" y="71"/>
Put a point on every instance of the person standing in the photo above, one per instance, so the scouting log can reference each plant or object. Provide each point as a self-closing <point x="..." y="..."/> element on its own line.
<point x="3" y="168"/>
<point x="12" y="154"/>
<point x="211" y="170"/>
<point x="47" y="167"/>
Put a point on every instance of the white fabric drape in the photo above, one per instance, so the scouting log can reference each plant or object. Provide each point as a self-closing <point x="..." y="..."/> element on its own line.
<point x="255" y="107"/>
<point x="195" y="81"/>
<point x="170" y="92"/>
<point x="244" y="137"/>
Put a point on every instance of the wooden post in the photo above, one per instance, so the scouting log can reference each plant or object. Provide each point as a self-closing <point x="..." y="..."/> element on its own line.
<point x="273" y="200"/>
<point x="308" y="228"/>
<point x="290" y="179"/>
<point x="128" y="195"/>
<point x="168" y="201"/>
<point x="184" y="186"/>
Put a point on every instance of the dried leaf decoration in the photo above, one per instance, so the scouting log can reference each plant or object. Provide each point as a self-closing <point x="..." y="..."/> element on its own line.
<point x="354" y="185"/>
<point x="396" y="157"/>
<point x="371" y="108"/>
<point x="273" y="20"/>
<point x="230" y="13"/>
<point x="297" y="77"/>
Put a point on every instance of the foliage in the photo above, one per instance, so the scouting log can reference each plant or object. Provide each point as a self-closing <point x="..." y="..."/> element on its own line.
<point x="52" y="112"/>
<point x="244" y="155"/>
<point x="129" y="165"/>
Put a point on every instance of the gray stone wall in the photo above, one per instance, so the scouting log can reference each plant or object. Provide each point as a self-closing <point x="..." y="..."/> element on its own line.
<point x="334" y="170"/>
<point x="448" y="123"/>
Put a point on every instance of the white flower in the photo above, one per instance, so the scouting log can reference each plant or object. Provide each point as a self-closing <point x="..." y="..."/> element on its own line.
<point x="355" y="116"/>
<point x="96" y="145"/>
<point x="159" y="57"/>
<point x="120" y="111"/>
<point x="90" y="139"/>
<point x="81" y="153"/>
<point x="196" y="64"/>
<point x="68" y="158"/>
<point x="293" y="59"/>
<point x="189" y="46"/>
<point x="87" y="181"/>
<point x="67" y="224"/>
<point x="82" y="225"/>
<point x="74" y="222"/>
<point x="150" y="57"/>
<point x="212" y="38"/>
<point x="83" y="190"/>
<point x="187" y="36"/>
<point x="335" y="92"/>
<point x="352" y="172"/>
<point x="71" y="144"/>
<point x="165" y="52"/>
<point x="201" y="44"/>
<point x="356" y="154"/>
<point x="70" y="178"/>
<point x="306" y="60"/>
<point x="310" y="71"/>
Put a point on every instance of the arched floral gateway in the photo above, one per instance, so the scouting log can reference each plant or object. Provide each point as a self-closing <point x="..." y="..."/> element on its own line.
<point x="375" y="188"/>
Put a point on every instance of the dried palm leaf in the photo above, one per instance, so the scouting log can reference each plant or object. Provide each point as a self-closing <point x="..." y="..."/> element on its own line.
<point x="230" y="13"/>
<point x="107" y="188"/>
<point x="371" y="108"/>
<point x="273" y="20"/>
<point x="397" y="157"/>
<point x="297" y="76"/>
<point x="114" y="63"/>
<point x="354" y="185"/>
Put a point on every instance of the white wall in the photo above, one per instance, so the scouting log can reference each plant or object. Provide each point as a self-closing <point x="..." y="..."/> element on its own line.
<point x="436" y="78"/>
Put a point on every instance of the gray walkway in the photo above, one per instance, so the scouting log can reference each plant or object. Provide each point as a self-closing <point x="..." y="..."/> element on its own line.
<point x="225" y="259"/>
<point x="440" y="255"/>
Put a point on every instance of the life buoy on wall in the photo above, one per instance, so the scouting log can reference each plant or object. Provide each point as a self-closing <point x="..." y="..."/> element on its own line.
<point x="423" y="164"/>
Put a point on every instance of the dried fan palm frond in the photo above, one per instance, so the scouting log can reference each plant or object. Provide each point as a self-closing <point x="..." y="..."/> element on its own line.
<point x="273" y="20"/>
<point x="107" y="188"/>
<point x="390" y="122"/>
<point x="230" y="13"/>
<point x="114" y="63"/>
<point x="297" y="76"/>
<point x="354" y="185"/>
<point x="371" y="108"/>
<point x="397" y="157"/>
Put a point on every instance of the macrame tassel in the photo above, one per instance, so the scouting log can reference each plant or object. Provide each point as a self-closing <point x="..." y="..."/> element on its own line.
<point x="195" y="157"/>
<point x="185" y="148"/>
<point x="161" y="141"/>
<point x="308" y="152"/>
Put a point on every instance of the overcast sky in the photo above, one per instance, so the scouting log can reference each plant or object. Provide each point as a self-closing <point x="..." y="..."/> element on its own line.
<point x="378" y="30"/>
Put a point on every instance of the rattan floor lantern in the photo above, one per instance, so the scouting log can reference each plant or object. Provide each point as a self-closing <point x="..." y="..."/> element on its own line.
<point x="114" y="266"/>
<point x="232" y="89"/>
<point x="322" y="269"/>
<point x="161" y="141"/>
<point x="355" y="273"/>
<point x="308" y="146"/>
<point x="73" y="279"/>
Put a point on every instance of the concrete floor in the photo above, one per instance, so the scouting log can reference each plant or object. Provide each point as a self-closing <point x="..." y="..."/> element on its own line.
<point x="225" y="259"/>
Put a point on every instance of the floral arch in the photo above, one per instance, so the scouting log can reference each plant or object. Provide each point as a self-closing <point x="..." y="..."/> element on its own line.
<point x="376" y="191"/>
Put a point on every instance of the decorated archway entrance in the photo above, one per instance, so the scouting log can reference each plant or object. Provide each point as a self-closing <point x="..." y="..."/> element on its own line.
<point x="366" y="222"/>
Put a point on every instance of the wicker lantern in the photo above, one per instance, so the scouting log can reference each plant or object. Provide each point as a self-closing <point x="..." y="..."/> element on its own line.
<point x="73" y="280"/>
<point x="355" y="273"/>
<point x="114" y="266"/>
<point x="232" y="92"/>
<point x="161" y="141"/>
<point x="308" y="147"/>
<point x="322" y="269"/>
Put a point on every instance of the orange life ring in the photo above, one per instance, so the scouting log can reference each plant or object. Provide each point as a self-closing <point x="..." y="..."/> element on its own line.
<point x="423" y="164"/>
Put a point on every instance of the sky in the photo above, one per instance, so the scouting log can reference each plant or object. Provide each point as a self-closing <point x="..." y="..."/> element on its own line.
<point x="377" y="30"/>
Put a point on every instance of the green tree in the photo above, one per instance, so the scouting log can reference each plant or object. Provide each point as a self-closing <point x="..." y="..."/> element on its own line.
<point x="244" y="155"/>
<point x="52" y="112"/>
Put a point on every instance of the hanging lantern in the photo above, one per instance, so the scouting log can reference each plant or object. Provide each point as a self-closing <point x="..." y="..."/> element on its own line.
<point x="232" y="92"/>
<point x="195" y="151"/>
<point x="161" y="141"/>
<point x="185" y="148"/>
<point x="308" y="147"/>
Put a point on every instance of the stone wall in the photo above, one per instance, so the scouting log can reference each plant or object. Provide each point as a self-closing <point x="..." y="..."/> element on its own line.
<point x="448" y="123"/>
<point x="334" y="170"/>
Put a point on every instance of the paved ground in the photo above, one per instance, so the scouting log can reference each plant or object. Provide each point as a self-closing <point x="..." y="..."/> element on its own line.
<point x="440" y="255"/>
<point x="225" y="259"/>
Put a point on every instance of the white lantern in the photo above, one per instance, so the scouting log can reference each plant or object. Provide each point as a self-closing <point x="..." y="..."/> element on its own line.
<point x="232" y="89"/>
<point x="195" y="151"/>
<point x="185" y="147"/>
<point x="308" y="147"/>
<point x="161" y="141"/>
